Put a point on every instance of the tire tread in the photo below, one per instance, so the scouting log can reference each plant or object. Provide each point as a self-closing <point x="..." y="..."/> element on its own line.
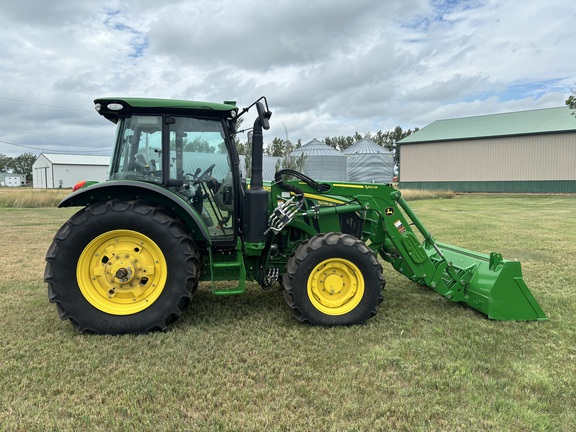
<point x="303" y="253"/>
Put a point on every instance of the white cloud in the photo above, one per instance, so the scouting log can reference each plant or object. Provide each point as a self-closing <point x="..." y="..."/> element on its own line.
<point x="328" y="67"/>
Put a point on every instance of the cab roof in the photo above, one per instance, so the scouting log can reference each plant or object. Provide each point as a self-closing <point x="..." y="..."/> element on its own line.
<point x="114" y="108"/>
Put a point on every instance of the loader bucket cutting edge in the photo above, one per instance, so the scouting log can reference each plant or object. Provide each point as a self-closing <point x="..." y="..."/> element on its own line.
<point x="496" y="287"/>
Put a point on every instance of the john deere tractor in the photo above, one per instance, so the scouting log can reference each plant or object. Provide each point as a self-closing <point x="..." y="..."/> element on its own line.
<point x="176" y="210"/>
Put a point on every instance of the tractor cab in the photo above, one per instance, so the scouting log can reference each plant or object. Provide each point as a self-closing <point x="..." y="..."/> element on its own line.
<point x="185" y="147"/>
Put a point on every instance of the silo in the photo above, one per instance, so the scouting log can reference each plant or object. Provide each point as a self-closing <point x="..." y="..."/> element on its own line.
<point x="369" y="163"/>
<point x="322" y="161"/>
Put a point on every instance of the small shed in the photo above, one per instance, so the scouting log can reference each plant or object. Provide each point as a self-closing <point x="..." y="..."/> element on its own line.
<point x="54" y="171"/>
<point x="369" y="162"/>
<point x="322" y="161"/>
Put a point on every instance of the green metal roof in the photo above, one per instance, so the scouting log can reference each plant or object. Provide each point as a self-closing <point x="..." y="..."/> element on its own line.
<point x="540" y="121"/>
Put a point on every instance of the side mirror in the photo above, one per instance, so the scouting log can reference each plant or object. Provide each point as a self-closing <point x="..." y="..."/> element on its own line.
<point x="263" y="115"/>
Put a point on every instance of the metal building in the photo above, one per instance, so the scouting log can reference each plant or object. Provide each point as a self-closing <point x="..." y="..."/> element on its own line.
<point x="53" y="171"/>
<point x="322" y="161"/>
<point x="369" y="162"/>
<point x="525" y="151"/>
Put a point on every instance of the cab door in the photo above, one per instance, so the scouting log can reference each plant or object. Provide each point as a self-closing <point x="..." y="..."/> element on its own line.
<point x="199" y="157"/>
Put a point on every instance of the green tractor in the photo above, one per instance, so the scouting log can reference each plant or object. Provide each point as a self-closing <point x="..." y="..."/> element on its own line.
<point x="176" y="210"/>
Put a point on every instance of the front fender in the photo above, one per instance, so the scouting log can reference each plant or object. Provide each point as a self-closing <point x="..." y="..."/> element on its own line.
<point x="130" y="190"/>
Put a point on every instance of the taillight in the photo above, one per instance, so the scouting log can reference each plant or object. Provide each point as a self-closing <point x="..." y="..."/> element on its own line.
<point x="79" y="185"/>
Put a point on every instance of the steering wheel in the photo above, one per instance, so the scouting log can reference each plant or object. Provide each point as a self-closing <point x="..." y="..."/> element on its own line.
<point x="206" y="175"/>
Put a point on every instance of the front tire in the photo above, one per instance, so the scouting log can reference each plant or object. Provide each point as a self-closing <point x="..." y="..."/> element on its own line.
<point x="333" y="279"/>
<point x="121" y="267"/>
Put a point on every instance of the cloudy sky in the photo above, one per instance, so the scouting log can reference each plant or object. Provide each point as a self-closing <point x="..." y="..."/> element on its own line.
<point x="327" y="67"/>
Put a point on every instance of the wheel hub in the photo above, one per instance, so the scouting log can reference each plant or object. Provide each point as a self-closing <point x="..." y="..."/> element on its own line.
<point x="335" y="286"/>
<point x="121" y="272"/>
<point x="124" y="273"/>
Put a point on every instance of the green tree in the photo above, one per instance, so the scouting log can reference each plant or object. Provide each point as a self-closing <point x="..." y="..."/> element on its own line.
<point x="571" y="101"/>
<point x="277" y="147"/>
<point x="4" y="162"/>
<point x="23" y="165"/>
<point x="282" y="149"/>
<point x="199" y="145"/>
<point x="342" y="142"/>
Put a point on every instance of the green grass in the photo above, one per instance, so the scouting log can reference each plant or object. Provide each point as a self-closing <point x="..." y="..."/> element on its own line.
<point x="243" y="363"/>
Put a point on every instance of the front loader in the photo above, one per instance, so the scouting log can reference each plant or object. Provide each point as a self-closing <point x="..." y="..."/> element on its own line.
<point x="176" y="210"/>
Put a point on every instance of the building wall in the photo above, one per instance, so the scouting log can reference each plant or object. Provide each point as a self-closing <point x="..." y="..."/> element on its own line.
<point x="66" y="176"/>
<point x="537" y="186"/>
<point x="538" y="163"/>
<point x="47" y="175"/>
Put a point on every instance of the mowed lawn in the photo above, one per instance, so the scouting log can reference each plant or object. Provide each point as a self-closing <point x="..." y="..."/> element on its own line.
<point x="244" y="364"/>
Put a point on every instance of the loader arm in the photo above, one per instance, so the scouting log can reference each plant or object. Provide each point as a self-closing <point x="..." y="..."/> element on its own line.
<point x="487" y="283"/>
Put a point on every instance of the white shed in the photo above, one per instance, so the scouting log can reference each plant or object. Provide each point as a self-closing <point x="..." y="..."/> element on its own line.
<point x="12" y="179"/>
<point x="53" y="171"/>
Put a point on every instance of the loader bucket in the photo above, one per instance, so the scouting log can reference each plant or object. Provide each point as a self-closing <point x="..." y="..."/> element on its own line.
<point x="490" y="284"/>
<point x="487" y="283"/>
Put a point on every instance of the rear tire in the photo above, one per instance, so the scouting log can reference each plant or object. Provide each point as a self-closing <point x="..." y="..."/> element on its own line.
<point x="121" y="267"/>
<point x="333" y="279"/>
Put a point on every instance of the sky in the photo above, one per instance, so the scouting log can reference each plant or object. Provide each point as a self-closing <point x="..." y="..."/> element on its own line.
<point x="327" y="67"/>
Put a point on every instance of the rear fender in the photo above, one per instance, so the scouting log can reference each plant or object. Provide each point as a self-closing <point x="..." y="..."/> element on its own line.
<point x="152" y="193"/>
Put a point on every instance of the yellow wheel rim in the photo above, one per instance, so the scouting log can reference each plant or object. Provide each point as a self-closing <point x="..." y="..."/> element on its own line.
<point x="121" y="272"/>
<point x="335" y="286"/>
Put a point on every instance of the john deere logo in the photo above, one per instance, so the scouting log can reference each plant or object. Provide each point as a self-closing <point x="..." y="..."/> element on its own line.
<point x="389" y="211"/>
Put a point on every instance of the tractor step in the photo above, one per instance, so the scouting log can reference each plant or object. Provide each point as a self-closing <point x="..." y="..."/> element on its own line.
<point x="227" y="271"/>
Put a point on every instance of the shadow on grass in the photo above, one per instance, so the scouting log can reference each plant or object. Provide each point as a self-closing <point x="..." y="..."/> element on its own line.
<point x="255" y="306"/>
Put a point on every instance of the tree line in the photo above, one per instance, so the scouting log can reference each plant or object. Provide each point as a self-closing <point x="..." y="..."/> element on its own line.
<point x="283" y="147"/>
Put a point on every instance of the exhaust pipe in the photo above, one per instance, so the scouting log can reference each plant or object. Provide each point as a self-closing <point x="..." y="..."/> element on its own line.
<point x="256" y="197"/>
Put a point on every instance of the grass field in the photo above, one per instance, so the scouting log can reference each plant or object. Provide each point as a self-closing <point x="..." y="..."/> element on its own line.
<point x="11" y="197"/>
<point x="243" y="363"/>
